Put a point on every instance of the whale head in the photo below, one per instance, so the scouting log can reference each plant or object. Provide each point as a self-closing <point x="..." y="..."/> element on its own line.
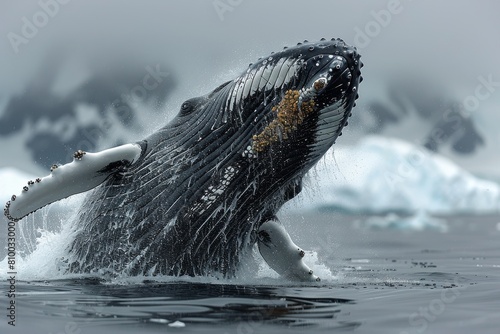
<point x="289" y="106"/>
<point x="297" y="101"/>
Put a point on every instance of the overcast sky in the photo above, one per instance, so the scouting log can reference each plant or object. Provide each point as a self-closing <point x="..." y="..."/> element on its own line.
<point x="450" y="43"/>
<point x="450" y="40"/>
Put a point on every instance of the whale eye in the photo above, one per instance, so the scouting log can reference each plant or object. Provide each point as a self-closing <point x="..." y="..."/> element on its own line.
<point x="192" y="105"/>
<point x="186" y="108"/>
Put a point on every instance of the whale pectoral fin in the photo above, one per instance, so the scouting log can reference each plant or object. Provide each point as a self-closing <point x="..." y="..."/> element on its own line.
<point x="86" y="171"/>
<point x="281" y="253"/>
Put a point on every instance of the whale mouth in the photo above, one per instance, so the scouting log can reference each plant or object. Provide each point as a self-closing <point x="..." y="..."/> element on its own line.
<point x="313" y="98"/>
<point x="334" y="91"/>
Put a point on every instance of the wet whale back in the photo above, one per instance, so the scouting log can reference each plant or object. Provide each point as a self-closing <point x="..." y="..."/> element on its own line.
<point x="156" y="216"/>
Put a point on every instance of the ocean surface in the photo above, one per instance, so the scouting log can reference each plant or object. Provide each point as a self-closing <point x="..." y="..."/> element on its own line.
<point x="376" y="278"/>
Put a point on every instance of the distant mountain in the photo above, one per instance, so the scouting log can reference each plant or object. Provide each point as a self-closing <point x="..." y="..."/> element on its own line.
<point x="433" y="118"/>
<point x="109" y="105"/>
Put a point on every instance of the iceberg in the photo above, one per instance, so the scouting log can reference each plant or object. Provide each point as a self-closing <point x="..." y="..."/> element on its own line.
<point x="382" y="175"/>
<point x="419" y="222"/>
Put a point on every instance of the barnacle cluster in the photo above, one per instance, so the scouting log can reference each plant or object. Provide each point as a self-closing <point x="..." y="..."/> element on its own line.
<point x="288" y="117"/>
<point x="78" y="155"/>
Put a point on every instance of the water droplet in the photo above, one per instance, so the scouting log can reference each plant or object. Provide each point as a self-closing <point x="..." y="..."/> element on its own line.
<point x="317" y="63"/>
<point x="264" y="62"/>
<point x="270" y="58"/>
<point x="330" y="56"/>
<point x="311" y="48"/>
<point x="353" y="89"/>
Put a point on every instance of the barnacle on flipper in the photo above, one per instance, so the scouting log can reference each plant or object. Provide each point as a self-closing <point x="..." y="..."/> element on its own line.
<point x="78" y="155"/>
<point x="288" y="117"/>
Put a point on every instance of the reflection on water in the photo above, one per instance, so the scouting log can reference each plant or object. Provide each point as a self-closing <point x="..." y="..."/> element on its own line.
<point x="386" y="281"/>
<point x="88" y="302"/>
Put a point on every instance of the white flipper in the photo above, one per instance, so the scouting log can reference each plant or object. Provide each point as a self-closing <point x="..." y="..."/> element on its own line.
<point x="87" y="171"/>
<point x="281" y="254"/>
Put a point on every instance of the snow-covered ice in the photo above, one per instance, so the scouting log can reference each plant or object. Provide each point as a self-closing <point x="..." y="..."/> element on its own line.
<point x="382" y="175"/>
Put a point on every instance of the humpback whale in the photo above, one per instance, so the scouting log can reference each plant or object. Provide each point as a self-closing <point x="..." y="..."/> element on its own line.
<point x="194" y="197"/>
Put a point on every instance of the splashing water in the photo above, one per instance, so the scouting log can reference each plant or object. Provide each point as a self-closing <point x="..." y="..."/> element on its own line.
<point x="42" y="252"/>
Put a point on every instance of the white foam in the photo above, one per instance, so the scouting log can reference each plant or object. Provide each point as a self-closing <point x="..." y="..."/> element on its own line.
<point x="44" y="263"/>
